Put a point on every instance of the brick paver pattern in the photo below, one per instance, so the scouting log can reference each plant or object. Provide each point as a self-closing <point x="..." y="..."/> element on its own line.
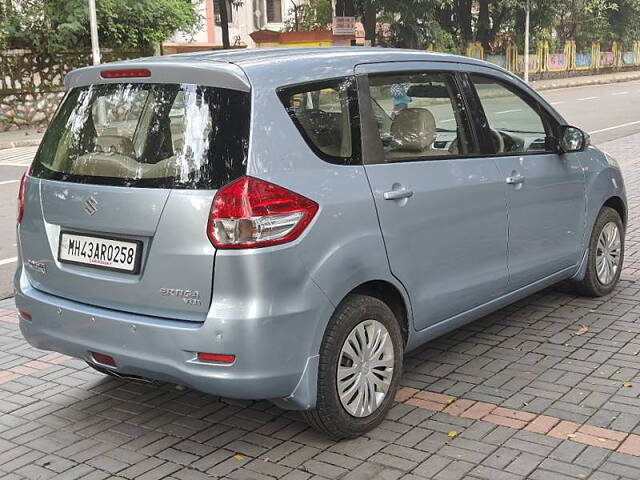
<point x="548" y="388"/>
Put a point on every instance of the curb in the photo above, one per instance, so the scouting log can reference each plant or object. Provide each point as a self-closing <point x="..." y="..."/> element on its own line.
<point x="585" y="83"/>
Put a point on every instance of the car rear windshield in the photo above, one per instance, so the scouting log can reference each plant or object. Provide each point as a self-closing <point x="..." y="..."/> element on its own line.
<point x="147" y="135"/>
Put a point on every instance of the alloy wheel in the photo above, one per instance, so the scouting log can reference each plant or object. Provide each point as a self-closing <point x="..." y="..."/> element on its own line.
<point x="608" y="252"/>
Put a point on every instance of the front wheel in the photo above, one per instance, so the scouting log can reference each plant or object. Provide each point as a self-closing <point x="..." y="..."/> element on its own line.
<point x="359" y="369"/>
<point x="606" y="254"/>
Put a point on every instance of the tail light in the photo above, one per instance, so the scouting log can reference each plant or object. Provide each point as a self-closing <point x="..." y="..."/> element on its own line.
<point x="23" y="182"/>
<point x="251" y="213"/>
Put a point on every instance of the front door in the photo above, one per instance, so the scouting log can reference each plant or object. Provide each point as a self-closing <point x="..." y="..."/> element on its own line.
<point x="441" y="206"/>
<point x="544" y="189"/>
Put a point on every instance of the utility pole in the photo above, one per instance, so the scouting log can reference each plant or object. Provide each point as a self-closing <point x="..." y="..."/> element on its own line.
<point x="526" y="42"/>
<point x="93" y="21"/>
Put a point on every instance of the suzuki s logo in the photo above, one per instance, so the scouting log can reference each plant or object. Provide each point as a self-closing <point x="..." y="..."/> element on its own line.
<point x="90" y="206"/>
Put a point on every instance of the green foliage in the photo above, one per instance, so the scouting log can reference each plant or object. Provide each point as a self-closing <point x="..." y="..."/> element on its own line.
<point x="412" y="24"/>
<point x="624" y="22"/>
<point x="63" y="25"/>
<point x="582" y="20"/>
<point x="305" y="17"/>
<point x="143" y="23"/>
<point x="444" y="41"/>
<point x="451" y="24"/>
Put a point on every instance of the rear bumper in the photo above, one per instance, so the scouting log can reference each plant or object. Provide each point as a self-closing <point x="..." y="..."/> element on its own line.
<point x="275" y="357"/>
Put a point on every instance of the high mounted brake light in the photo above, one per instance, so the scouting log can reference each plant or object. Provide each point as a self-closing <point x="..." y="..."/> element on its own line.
<point x="126" y="73"/>
<point x="252" y="213"/>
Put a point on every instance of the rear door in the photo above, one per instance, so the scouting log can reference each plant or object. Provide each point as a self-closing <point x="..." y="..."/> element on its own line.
<point x="127" y="173"/>
<point x="544" y="189"/>
<point x="441" y="205"/>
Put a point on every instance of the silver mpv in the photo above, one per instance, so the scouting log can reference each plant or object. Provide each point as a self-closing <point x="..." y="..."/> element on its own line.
<point x="284" y="224"/>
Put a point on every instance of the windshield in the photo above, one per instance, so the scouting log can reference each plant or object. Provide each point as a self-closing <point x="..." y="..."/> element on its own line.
<point x="147" y="135"/>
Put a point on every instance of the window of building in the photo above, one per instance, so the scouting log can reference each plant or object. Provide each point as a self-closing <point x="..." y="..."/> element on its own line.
<point x="217" y="8"/>
<point x="274" y="11"/>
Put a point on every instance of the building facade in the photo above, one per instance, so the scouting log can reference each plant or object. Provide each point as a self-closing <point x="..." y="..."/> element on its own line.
<point x="246" y="17"/>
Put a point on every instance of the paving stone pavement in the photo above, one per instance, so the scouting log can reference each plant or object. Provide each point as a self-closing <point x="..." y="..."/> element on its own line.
<point x="60" y="419"/>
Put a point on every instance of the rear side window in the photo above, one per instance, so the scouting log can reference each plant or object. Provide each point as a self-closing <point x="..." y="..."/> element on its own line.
<point x="148" y="135"/>
<point x="326" y="116"/>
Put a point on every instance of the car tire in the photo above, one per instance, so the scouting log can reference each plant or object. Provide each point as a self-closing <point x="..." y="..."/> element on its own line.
<point x="359" y="316"/>
<point x="595" y="282"/>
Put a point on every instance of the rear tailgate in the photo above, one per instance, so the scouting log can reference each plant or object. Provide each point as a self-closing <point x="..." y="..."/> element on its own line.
<point x="175" y="251"/>
<point x="126" y="175"/>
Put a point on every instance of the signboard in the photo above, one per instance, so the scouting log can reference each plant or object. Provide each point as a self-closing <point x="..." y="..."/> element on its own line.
<point x="607" y="59"/>
<point x="557" y="62"/>
<point x="583" y="60"/>
<point x="344" y="25"/>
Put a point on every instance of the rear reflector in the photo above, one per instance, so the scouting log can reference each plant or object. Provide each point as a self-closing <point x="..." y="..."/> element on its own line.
<point x="126" y="73"/>
<point x="103" y="359"/>
<point x="25" y="315"/>
<point x="216" y="357"/>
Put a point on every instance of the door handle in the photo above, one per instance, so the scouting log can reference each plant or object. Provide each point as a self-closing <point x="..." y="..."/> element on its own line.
<point x="515" y="180"/>
<point x="398" y="194"/>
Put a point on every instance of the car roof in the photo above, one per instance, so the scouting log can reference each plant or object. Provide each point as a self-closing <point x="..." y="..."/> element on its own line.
<point x="349" y="55"/>
<point x="256" y="66"/>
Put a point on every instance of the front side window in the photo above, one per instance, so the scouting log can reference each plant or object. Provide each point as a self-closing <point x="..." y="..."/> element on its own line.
<point x="323" y="114"/>
<point x="147" y="135"/>
<point x="515" y="126"/>
<point x="420" y="116"/>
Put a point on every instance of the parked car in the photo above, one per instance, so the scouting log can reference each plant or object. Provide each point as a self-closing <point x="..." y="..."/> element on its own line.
<point x="285" y="224"/>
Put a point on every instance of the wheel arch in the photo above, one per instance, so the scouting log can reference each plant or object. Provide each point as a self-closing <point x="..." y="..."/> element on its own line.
<point x="604" y="187"/>
<point x="619" y="206"/>
<point x="391" y="295"/>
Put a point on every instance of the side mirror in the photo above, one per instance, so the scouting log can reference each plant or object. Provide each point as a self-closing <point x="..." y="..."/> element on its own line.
<point x="572" y="139"/>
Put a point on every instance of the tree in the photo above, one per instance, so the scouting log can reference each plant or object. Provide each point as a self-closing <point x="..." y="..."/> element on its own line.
<point x="411" y="24"/>
<point x="586" y="21"/>
<point x="624" y="21"/>
<point x="411" y="21"/>
<point x="369" y="16"/>
<point x="314" y="15"/>
<point x="63" y="25"/>
<point x="222" y="6"/>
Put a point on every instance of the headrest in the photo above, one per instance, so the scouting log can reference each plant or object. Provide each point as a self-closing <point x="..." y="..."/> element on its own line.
<point x="413" y="129"/>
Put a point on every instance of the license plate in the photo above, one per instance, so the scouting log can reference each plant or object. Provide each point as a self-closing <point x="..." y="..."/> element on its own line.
<point x="100" y="252"/>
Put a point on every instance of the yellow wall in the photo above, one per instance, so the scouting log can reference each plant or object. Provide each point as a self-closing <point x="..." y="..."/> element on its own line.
<point x="296" y="44"/>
